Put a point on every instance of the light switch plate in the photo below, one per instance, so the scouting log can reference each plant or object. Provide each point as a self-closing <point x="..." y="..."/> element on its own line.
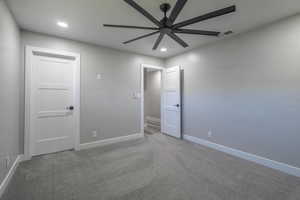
<point x="136" y="95"/>
<point x="209" y="134"/>
<point x="99" y="76"/>
<point x="95" y="134"/>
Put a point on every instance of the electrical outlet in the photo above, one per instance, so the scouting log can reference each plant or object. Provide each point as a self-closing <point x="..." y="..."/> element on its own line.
<point x="7" y="162"/>
<point x="209" y="134"/>
<point x="95" y="134"/>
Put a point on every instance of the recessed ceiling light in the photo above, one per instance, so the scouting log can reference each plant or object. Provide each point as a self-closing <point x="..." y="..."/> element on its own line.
<point x="62" y="24"/>
<point x="163" y="49"/>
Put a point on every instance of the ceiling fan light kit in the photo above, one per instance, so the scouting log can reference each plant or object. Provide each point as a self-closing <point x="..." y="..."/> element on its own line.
<point x="167" y="25"/>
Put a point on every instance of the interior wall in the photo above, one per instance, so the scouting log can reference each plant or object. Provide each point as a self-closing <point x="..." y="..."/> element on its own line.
<point x="152" y="90"/>
<point x="107" y="104"/>
<point x="246" y="91"/>
<point x="10" y="89"/>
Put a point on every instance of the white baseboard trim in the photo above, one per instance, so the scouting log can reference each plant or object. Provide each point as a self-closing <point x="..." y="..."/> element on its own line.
<point x="110" y="141"/>
<point x="153" y="119"/>
<point x="153" y="125"/>
<point x="10" y="174"/>
<point x="291" y="170"/>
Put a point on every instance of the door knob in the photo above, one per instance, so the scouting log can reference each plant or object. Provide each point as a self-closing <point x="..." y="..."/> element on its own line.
<point x="70" y="108"/>
<point x="177" y="105"/>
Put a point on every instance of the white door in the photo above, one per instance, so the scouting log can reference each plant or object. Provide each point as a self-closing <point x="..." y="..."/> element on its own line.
<point x="172" y="102"/>
<point x="52" y="99"/>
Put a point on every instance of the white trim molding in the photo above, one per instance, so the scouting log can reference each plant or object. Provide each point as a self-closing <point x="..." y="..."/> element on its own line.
<point x="291" y="170"/>
<point x="109" y="141"/>
<point x="30" y="52"/>
<point x="10" y="174"/>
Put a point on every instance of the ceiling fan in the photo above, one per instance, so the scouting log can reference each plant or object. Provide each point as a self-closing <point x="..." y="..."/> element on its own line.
<point x="166" y="25"/>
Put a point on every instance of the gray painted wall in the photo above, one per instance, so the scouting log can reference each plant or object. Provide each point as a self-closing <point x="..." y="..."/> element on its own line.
<point x="9" y="87"/>
<point x="152" y="91"/>
<point x="107" y="105"/>
<point x="246" y="90"/>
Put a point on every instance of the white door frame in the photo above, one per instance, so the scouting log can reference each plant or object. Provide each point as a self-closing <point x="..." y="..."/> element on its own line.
<point x="30" y="52"/>
<point x="143" y="66"/>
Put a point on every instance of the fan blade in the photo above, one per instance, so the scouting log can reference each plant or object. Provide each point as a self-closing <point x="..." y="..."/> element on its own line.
<point x="141" y="37"/>
<point x="143" y="12"/>
<point x="196" y="32"/>
<point x="210" y="15"/>
<point x="125" y="26"/>
<point x="176" y="10"/>
<point x="159" y="39"/>
<point x="177" y="39"/>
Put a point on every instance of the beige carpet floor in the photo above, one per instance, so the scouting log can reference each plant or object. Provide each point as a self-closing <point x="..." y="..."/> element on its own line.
<point x="155" y="168"/>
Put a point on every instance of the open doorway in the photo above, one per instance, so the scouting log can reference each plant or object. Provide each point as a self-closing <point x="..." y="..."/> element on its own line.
<point x="161" y="100"/>
<point x="152" y="100"/>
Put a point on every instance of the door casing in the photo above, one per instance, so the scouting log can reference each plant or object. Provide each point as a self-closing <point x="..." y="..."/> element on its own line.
<point x="162" y="69"/>
<point x="29" y="56"/>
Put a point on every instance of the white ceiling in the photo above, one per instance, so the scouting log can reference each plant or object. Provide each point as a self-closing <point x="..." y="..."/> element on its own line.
<point x="85" y="18"/>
